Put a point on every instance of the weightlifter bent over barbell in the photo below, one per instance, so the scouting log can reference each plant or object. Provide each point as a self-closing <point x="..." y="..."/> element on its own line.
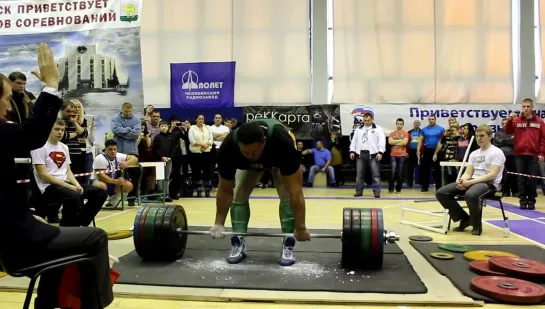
<point x="243" y="156"/>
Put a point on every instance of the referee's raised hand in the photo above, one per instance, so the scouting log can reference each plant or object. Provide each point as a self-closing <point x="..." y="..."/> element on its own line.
<point x="49" y="72"/>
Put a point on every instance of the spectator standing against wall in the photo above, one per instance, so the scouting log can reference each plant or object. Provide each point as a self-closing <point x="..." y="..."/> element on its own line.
<point x="153" y="123"/>
<point x="367" y="147"/>
<point x="430" y="136"/>
<point x="412" y="160"/>
<point x="126" y="129"/>
<point x="200" y="145"/>
<point x="398" y="141"/>
<point x="529" y="148"/>
<point x="505" y="142"/>
<point x="219" y="132"/>
<point x="75" y="137"/>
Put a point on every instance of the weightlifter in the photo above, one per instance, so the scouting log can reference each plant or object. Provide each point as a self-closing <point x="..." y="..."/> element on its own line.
<point x="244" y="154"/>
<point x="482" y="177"/>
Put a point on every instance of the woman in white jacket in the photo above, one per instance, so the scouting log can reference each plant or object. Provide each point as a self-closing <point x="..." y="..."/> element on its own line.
<point x="200" y="144"/>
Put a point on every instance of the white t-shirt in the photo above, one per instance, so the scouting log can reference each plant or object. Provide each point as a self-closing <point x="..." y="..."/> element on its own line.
<point x="101" y="162"/>
<point x="482" y="160"/>
<point x="56" y="159"/>
<point x="218" y="130"/>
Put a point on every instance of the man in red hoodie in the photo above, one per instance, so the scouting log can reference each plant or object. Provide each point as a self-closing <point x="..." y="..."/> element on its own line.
<point x="529" y="148"/>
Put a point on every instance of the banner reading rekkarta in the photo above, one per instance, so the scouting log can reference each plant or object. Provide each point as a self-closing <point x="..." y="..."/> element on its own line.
<point x="385" y="115"/>
<point x="97" y="47"/>
<point x="202" y="84"/>
<point x="306" y="122"/>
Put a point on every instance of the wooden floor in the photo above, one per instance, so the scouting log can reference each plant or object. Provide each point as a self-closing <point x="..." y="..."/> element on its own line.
<point x="325" y="212"/>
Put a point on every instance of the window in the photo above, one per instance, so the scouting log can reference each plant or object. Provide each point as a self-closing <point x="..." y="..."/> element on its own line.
<point x="428" y="51"/>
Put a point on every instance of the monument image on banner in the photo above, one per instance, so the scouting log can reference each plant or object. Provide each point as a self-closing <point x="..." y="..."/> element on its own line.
<point x="306" y="122"/>
<point x="205" y="84"/>
<point x="99" y="62"/>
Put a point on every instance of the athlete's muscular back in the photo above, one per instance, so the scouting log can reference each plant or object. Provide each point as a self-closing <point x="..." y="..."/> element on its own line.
<point x="279" y="152"/>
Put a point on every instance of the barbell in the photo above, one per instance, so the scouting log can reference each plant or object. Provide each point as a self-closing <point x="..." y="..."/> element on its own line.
<point x="160" y="234"/>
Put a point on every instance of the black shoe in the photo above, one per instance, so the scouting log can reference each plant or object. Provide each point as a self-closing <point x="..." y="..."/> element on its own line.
<point x="423" y="190"/>
<point x="168" y="199"/>
<point x="463" y="225"/>
<point x="523" y="206"/>
<point x="377" y="195"/>
<point x="505" y="194"/>
<point x="477" y="231"/>
<point x="131" y="202"/>
<point x="358" y="194"/>
<point x="531" y="206"/>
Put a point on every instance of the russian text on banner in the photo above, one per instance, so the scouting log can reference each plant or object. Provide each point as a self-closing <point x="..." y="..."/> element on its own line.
<point x="306" y="122"/>
<point x="97" y="48"/>
<point x="202" y="84"/>
<point x="385" y="115"/>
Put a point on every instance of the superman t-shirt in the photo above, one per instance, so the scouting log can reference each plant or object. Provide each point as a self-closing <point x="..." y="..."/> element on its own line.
<point x="56" y="159"/>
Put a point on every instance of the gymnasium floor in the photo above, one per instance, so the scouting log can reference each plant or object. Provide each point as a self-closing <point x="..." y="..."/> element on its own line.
<point x="324" y="210"/>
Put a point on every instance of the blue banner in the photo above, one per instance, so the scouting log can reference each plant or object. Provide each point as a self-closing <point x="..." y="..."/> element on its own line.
<point x="202" y="85"/>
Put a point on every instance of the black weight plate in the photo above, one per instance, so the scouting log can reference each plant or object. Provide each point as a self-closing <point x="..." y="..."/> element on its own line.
<point x="358" y="258"/>
<point x="346" y="254"/>
<point x="379" y="257"/>
<point x="159" y="234"/>
<point x="142" y="243"/>
<point x="420" y="238"/>
<point x="175" y="218"/>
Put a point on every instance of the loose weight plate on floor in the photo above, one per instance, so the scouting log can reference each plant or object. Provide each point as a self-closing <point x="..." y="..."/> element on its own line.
<point x="483" y="268"/>
<point x="509" y="290"/>
<point x="484" y="255"/>
<point x="518" y="267"/>
<point x="455" y="248"/>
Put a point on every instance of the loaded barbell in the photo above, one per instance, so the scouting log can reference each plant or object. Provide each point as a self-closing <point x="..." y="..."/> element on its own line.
<point x="160" y="234"/>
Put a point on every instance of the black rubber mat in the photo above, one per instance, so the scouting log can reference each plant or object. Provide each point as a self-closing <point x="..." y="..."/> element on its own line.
<point x="457" y="270"/>
<point x="317" y="269"/>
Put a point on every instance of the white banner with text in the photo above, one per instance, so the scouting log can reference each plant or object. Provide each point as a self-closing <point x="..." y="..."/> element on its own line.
<point x="385" y="115"/>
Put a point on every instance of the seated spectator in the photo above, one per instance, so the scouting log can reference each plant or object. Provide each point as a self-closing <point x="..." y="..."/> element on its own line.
<point x="57" y="182"/>
<point x="322" y="161"/>
<point x="113" y="163"/>
<point x="482" y="177"/>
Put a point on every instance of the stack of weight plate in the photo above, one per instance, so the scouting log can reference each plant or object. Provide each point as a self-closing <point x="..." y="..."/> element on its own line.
<point x="507" y="277"/>
<point x="362" y="238"/>
<point x="155" y="233"/>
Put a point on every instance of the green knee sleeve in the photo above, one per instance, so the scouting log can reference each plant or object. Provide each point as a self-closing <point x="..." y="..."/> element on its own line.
<point x="287" y="220"/>
<point x="240" y="215"/>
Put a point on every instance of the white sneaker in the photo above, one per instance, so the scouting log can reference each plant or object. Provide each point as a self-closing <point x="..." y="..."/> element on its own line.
<point x="238" y="251"/>
<point x="115" y="199"/>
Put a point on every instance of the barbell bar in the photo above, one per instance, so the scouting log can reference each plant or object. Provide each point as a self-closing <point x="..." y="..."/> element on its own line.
<point x="160" y="233"/>
<point x="389" y="237"/>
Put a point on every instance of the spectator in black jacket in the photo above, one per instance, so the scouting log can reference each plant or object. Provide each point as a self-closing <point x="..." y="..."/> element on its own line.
<point x="504" y="142"/>
<point x="163" y="149"/>
<point x="25" y="241"/>
<point x="175" y="129"/>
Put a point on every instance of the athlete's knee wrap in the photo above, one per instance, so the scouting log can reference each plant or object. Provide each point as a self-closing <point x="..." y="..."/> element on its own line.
<point x="240" y="215"/>
<point x="287" y="219"/>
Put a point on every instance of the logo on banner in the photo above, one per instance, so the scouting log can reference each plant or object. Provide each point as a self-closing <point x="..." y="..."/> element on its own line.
<point x="129" y="10"/>
<point x="359" y="111"/>
<point x="196" y="85"/>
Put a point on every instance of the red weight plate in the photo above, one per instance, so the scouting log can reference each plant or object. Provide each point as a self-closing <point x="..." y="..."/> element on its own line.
<point x="142" y="222"/>
<point x="481" y="267"/>
<point x="508" y="290"/>
<point x="518" y="267"/>
<point x="374" y="231"/>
